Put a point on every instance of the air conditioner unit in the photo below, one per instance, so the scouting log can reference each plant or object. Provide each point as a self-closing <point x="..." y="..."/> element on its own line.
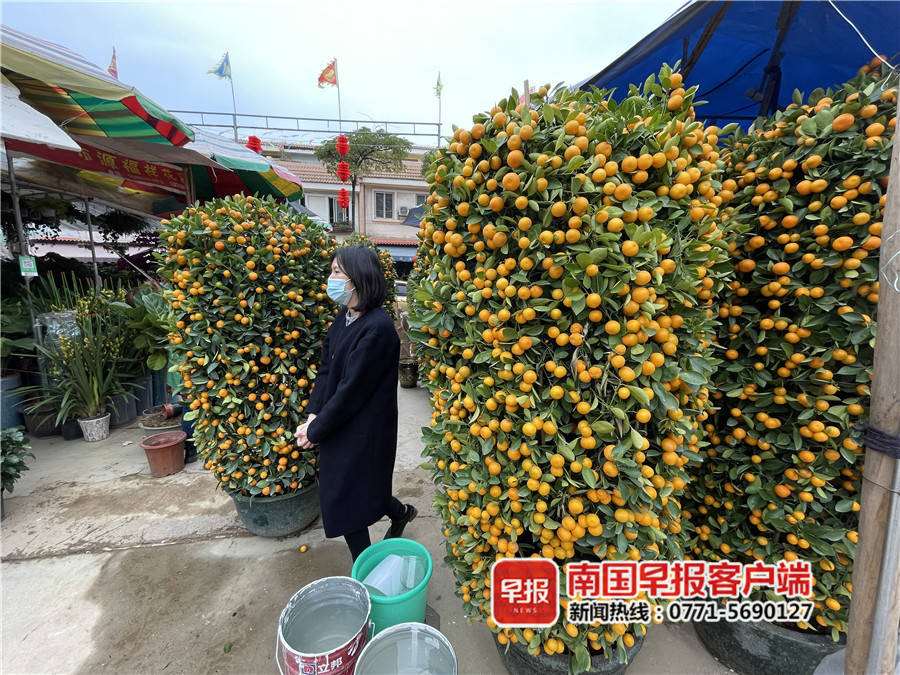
<point x="404" y="211"/>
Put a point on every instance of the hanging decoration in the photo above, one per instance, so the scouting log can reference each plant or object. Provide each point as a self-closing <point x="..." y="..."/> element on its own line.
<point x="254" y="144"/>
<point x="343" y="171"/>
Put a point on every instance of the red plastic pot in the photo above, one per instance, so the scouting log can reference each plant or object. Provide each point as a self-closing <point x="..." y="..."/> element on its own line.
<point x="165" y="452"/>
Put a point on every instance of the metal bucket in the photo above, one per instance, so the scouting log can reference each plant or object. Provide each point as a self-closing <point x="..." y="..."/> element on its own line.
<point x="323" y="628"/>
<point x="407" y="649"/>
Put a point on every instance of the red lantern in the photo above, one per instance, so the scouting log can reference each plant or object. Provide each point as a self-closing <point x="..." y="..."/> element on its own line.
<point x="343" y="171"/>
<point x="254" y="144"/>
<point x="343" y="198"/>
<point x="342" y="145"/>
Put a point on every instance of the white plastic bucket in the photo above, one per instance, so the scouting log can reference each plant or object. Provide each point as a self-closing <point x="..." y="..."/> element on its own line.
<point x="407" y="649"/>
<point x="323" y="628"/>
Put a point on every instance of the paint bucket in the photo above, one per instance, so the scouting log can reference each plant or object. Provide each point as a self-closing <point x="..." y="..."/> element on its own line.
<point x="323" y="628"/>
<point x="407" y="649"/>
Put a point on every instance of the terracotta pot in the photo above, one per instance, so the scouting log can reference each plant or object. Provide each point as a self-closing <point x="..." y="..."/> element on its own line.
<point x="165" y="452"/>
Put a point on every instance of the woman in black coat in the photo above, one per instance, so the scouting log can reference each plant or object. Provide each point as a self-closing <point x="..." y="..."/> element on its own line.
<point x="353" y="406"/>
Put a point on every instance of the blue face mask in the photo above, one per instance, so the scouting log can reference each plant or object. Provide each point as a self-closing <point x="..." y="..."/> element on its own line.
<point x="337" y="291"/>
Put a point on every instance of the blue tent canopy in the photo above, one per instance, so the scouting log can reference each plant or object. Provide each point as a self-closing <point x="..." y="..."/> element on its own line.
<point x="748" y="57"/>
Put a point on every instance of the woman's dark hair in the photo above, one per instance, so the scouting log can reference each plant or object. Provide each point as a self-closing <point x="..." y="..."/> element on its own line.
<point x="361" y="264"/>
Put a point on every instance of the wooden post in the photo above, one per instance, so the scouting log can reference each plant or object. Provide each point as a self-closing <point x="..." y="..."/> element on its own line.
<point x="875" y="608"/>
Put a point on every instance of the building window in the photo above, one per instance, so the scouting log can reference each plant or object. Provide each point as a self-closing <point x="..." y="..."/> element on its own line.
<point x="420" y="199"/>
<point x="384" y="205"/>
<point x="335" y="213"/>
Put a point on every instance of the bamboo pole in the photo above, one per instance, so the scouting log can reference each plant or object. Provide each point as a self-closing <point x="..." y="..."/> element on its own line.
<point x="875" y="608"/>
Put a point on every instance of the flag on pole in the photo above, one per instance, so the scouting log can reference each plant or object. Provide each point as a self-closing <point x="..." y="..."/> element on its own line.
<point x="329" y="74"/>
<point x="223" y="68"/>
<point x="438" y="87"/>
<point x="113" y="67"/>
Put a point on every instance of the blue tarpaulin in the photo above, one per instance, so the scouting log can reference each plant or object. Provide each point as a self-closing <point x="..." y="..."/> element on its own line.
<point x="748" y="57"/>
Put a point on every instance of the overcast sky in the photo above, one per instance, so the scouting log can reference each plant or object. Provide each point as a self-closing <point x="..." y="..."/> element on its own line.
<point x="389" y="53"/>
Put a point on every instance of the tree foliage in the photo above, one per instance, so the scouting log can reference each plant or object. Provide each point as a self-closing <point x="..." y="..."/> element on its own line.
<point x="370" y="150"/>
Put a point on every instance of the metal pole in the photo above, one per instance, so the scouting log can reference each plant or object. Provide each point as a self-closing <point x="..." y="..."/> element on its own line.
<point x="23" y="241"/>
<point x="233" y="104"/>
<point x="87" y="210"/>
<point x="340" y="117"/>
<point x="875" y="608"/>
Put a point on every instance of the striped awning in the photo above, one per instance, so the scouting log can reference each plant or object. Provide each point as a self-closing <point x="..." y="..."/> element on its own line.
<point x="82" y="98"/>
<point x="253" y="173"/>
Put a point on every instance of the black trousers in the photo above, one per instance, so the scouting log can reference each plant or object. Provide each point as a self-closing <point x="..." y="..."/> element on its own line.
<point x="359" y="541"/>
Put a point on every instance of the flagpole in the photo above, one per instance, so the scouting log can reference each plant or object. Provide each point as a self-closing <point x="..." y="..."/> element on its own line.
<point x="338" y="82"/>
<point x="233" y="104"/>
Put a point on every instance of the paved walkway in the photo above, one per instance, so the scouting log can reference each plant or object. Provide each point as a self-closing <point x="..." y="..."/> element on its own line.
<point x="106" y="569"/>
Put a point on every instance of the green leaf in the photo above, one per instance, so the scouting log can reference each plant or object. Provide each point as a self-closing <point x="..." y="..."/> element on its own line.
<point x="588" y="475"/>
<point x="639" y="394"/>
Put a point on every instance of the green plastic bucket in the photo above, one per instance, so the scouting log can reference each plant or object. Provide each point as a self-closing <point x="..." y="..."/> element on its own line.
<point x="407" y="607"/>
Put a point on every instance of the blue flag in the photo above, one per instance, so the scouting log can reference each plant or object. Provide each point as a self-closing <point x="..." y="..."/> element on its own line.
<point x="223" y="68"/>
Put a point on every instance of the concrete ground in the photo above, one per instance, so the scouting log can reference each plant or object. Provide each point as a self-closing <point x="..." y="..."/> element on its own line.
<point x="106" y="569"/>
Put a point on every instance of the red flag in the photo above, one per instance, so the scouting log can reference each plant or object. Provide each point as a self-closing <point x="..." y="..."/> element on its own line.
<point x="113" y="67"/>
<point x="329" y="75"/>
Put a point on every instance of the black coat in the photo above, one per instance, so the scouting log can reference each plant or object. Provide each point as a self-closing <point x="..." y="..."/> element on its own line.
<point x="355" y="403"/>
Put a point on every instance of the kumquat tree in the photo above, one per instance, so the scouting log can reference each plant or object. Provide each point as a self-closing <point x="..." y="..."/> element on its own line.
<point x="783" y="472"/>
<point x="563" y="308"/>
<point x="246" y="280"/>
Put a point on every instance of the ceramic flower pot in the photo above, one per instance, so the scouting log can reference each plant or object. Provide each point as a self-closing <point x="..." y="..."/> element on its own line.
<point x="519" y="661"/>
<point x="95" y="428"/>
<point x="759" y="648"/>
<point x="281" y="515"/>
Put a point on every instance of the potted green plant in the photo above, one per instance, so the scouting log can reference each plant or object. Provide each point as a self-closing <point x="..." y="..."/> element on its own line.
<point x="81" y="380"/>
<point x="15" y="341"/>
<point x="148" y="322"/>
<point x="14" y="448"/>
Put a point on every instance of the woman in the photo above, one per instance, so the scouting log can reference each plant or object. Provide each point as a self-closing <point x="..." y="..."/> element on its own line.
<point x="353" y="406"/>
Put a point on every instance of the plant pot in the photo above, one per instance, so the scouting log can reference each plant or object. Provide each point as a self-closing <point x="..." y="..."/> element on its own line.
<point x="95" y="428"/>
<point x="122" y="409"/>
<point x="165" y="452"/>
<point x="760" y="648"/>
<point x="519" y="661"/>
<point x="41" y="422"/>
<point x="10" y="413"/>
<point x="144" y="391"/>
<point x="409" y="375"/>
<point x="71" y="430"/>
<point x="278" y="516"/>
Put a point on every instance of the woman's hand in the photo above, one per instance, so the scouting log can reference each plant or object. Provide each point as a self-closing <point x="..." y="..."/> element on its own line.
<point x="300" y="434"/>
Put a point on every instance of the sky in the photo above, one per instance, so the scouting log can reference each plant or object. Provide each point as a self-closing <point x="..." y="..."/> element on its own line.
<point x="389" y="53"/>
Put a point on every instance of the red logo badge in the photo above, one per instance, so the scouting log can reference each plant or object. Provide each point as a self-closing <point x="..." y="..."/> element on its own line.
<point x="525" y="592"/>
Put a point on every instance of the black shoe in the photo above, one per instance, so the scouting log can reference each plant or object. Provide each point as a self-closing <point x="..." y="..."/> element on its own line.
<point x="396" y="528"/>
